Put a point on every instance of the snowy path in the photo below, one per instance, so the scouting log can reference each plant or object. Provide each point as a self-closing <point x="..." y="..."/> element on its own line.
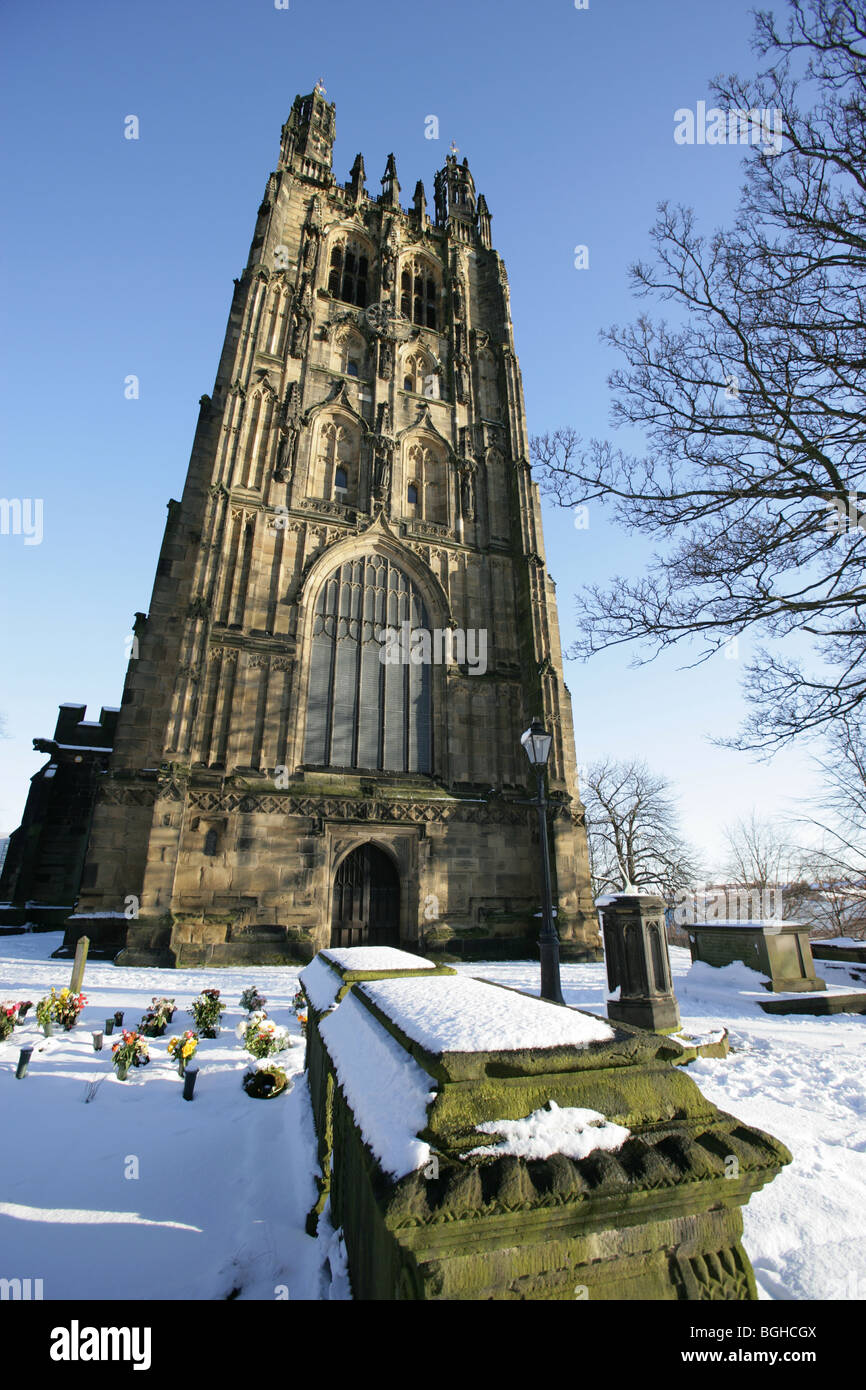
<point x="224" y="1184"/>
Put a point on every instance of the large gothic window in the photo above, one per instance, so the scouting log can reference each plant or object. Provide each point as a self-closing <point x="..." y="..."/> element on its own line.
<point x="418" y="293"/>
<point x="348" y="275"/>
<point x="361" y="711"/>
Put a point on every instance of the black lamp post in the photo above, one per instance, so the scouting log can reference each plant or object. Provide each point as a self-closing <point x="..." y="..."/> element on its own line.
<point x="536" y="741"/>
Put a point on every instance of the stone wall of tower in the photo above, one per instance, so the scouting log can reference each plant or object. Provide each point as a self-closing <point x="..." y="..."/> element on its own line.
<point x="337" y="392"/>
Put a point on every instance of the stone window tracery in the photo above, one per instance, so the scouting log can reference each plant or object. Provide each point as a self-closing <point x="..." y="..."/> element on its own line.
<point x="363" y="712"/>
<point x="419" y="374"/>
<point x="419" y="292"/>
<point x="347" y="279"/>
<point x="338" y="454"/>
<point x="427" y="468"/>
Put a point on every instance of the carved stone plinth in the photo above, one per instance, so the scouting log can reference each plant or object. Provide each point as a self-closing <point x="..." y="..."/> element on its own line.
<point x="638" y="964"/>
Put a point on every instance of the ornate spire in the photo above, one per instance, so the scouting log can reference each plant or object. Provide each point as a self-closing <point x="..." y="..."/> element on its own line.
<point x="356" y="177"/>
<point x="390" y="186"/>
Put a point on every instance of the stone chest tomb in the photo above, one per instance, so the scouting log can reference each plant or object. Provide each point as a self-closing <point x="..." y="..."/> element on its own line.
<point x="479" y="1143"/>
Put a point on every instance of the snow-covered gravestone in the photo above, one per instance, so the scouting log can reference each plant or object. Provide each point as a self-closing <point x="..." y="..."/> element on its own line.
<point x="481" y="1143"/>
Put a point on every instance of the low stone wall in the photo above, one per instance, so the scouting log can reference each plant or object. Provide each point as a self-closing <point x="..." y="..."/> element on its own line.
<point x="658" y="1218"/>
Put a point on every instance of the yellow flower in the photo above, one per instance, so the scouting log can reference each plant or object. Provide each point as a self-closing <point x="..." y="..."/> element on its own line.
<point x="188" y="1048"/>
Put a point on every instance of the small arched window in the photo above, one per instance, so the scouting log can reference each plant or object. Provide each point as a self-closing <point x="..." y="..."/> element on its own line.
<point x="420" y="375"/>
<point x="210" y="843"/>
<point x="341" y="484"/>
<point x="348" y="275"/>
<point x="351" y="367"/>
<point x="412" y="494"/>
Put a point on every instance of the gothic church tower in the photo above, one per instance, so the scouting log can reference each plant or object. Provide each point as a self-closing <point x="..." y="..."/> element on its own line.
<point x="352" y="621"/>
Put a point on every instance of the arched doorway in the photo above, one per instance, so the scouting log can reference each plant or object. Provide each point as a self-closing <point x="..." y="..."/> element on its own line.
<point x="366" y="910"/>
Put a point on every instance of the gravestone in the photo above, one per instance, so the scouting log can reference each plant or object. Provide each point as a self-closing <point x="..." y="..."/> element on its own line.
<point x="78" y="965"/>
<point x="638" y="964"/>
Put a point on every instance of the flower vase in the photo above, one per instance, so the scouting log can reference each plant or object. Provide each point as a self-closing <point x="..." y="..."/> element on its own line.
<point x="48" y="1028"/>
<point x="122" y="1070"/>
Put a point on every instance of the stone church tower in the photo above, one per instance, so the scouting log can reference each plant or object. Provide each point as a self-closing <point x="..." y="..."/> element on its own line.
<point x="352" y="622"/>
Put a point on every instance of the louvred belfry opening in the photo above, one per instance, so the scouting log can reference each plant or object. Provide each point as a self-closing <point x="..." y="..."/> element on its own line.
<point x="362" y="712"/>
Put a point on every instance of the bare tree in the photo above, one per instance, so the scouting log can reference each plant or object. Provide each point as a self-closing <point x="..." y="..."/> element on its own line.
<point x="633" y="829"/>
<point x="839" y="815"/>
<point x="763" y="858"/>
<point x="752" y="402"/>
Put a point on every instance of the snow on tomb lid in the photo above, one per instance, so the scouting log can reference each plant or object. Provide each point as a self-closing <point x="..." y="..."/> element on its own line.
<point x="768" y="924"/>
<point x="454" y="1014"/>
<point x="375" y="958"/>
<point x="388" y="1092"/>
<point x="321" y="984"/>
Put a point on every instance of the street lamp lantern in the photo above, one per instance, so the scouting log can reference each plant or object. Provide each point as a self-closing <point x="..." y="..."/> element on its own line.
<point x="536" y="743"/>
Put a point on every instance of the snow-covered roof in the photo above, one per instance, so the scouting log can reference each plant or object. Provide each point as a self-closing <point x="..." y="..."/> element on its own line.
<point x="450" y="1013"/>
<point x="376" y="958"/>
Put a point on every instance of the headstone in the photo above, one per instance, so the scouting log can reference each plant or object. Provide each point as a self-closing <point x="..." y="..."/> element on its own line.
<point x="638" y="964"/>
<point x="78" y="967"/>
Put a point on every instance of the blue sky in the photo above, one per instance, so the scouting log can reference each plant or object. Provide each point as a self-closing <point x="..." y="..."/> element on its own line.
<point x="120" y="260"/>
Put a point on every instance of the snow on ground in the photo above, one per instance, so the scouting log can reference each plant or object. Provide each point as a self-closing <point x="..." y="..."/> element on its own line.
<point x="225" y="1182"/>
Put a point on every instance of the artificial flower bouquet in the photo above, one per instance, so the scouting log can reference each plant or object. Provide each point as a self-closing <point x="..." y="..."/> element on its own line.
<point x="251" y="1000"/>
<point x="63" y="1008"/>
<point x="160" y="1013"/>
<point x="68" y="1007"/>
<point x="263" y="1037"/>
<point x="182" y="1048"/>
<point x="207" y="1010"/>
<point x="300" y="999"/>
<point x="132" y="1051"/>
<point x="10" y="1014"/>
